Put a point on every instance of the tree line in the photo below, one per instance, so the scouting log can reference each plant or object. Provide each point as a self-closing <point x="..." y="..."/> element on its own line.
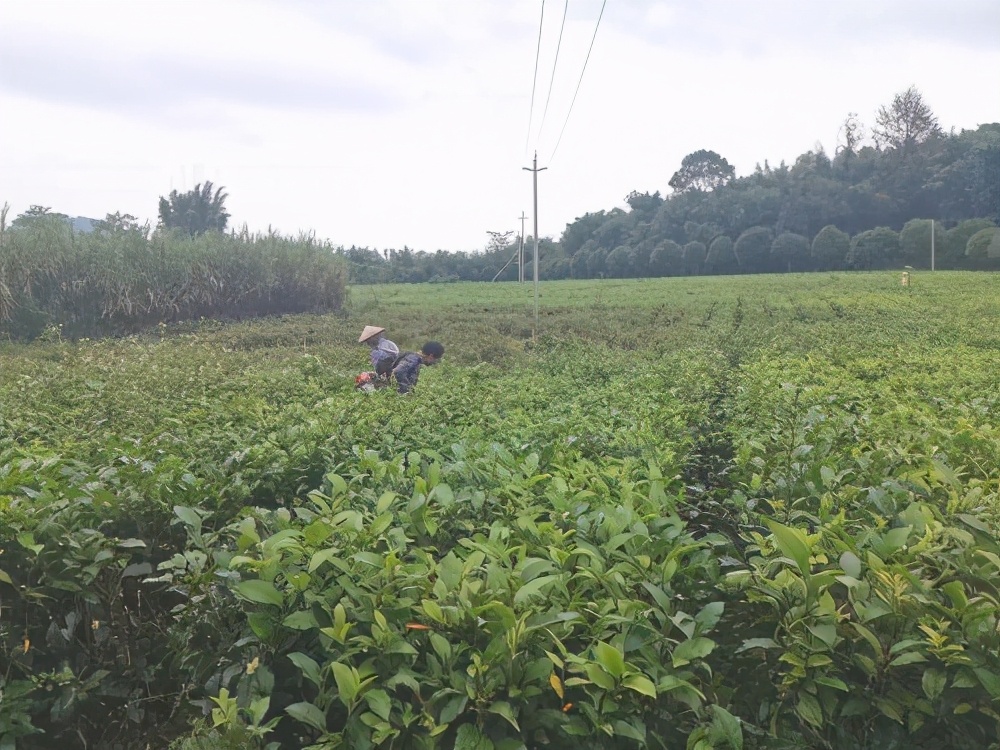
<point x="868" y="206"/>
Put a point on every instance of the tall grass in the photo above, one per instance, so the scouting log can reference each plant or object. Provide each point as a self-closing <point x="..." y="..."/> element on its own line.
<point x="126" y="280"/>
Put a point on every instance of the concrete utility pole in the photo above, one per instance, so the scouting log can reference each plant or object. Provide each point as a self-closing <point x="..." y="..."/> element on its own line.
<point x="932" y="244"/>
<point x="520" y="252"/>
<point x="534" y="178"/>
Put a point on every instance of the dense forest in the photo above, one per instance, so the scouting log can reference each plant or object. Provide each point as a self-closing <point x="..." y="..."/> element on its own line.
<point x="870" y="205"/>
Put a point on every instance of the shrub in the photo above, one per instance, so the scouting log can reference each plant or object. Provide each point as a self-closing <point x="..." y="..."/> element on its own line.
<point x="125" y="280"/>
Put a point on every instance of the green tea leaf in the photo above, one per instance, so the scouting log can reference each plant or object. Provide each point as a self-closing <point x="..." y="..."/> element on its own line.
<point x="896" y="538"/>
<point x="688" y="651"/>
<point x="188" y="516"/>
<point x="956" y="592"/>
<point x="385" y="501"/>
<point x="309" y="714"/>
<point x="910" y="657"/>
<point x="633" y="731"/>
<point x="260" y="592"/>
<point x="308" y="666"/>
<point x="503" y="708"/>
<point x="709" y="616"/>
<point x="756" y="643"/>
<point x="792" y="543"/>
<point x="301" y="620"/>
<point x="833" y="682"/>
<point x="726" y="730"/>
<point x="640" y="684"/>
<point x="379" y="702"/>
<point x="610" y="658"/>
<point x="851" y="564"/>
<point x="808" y="709"/>
<point x="989" y="680"/>
<point x="470" y="738"/>
<point x="534" y="588"/>
<point x="27" y="540"/>
<point x="597" y="674"/>
<point x="320" y="557"/>
<point x="453" y="708"/>
<point x="933" y="682"/>
<point x="347" y="681"/>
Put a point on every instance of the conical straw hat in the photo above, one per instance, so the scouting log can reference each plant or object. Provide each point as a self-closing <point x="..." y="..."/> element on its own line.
<point x="369" y="332"/>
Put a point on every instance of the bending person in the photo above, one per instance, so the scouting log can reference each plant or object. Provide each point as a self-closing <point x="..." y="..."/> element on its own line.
<point x="407" y="369"/>
<point x="384" y="353"/>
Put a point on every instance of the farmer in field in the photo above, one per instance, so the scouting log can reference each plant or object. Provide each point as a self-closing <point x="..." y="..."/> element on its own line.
<point x="383" y="352"/>
<point x="407" y="368"/>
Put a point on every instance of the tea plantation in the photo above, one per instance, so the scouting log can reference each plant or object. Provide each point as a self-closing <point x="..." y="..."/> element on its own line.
<point x="721" y="512"/>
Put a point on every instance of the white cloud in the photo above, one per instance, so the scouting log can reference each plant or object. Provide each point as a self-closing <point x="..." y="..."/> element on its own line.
<point x="393" y="122"/>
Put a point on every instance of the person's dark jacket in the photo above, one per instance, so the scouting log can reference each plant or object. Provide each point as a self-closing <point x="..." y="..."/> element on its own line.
<point x="407" y="371"/>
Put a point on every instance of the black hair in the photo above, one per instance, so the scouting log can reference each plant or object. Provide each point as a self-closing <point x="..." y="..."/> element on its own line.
<point x="433" y="349"/>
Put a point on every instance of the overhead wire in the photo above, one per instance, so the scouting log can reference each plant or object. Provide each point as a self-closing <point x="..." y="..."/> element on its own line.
<point x="589" y="50"/>
<point x="534" y="80"/>
<point x="555" y="62"/>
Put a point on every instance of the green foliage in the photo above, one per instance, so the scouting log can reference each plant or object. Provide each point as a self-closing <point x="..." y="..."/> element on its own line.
<point x="743" y="512"/>
<point x="720" y="257"/>
<point x="122" y="279"/>
<point x="915" y="243"/>
<point x="619" y="262"/>
<point x="906" y="122"/>
<point x="830" y="248"/>
<point x="702" y="171"/>
<point x="196" y="211"/>
<point x="984" y="244"/>
<point x="790" y="251"/>
<point x="957" y="239"/>
<point x="873" y="249"/>
<point x="666" y="259"/>
<point x="907" y="168"/>
<point x="694" y="257"/>
<point x="753" y="249"/>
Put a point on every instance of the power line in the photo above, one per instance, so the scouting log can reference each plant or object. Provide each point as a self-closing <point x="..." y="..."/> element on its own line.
<point x="554" y="64"/>
<point x="579" y="82"/>
<point x="534" y="80"/>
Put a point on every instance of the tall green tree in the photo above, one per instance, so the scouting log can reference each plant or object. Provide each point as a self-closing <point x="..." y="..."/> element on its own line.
<point x="36" y="213"/>
<point x="873" y="249"/>
<point x="667" y="259"/>
<point x="915" y="243"/>
<point x="830" y="248"/>
<point x="753" y="250"/>
<point x="984" y="245"/>
<point x="119" y="222"/>
<point x="790" y="252"/>
<point x="957" y="239"/>
<point x="702" y="171"/>
<point x="985" y="172"/>
<point x="694" y="257"/>
<point x="720" y="257"/>
<point x="907" y="121"/>
<point x="849" y="140"/>
<point x="644" y="206"/>
<point x="579" y="231"/>
<point x="196" y="211"/>
<point x="619" y="262"/>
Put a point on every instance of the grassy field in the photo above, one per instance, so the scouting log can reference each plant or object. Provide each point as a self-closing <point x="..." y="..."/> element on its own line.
<point x="720" y="512"/>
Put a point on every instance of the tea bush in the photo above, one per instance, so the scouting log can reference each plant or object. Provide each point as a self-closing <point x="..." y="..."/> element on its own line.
<point x="702" y="513"/>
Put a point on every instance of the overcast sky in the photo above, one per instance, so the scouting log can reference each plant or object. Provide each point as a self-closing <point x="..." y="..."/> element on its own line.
<point x="405" y="122"/>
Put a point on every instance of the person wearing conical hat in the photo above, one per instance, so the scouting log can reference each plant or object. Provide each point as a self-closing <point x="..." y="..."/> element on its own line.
<point x="383" y="352"/>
